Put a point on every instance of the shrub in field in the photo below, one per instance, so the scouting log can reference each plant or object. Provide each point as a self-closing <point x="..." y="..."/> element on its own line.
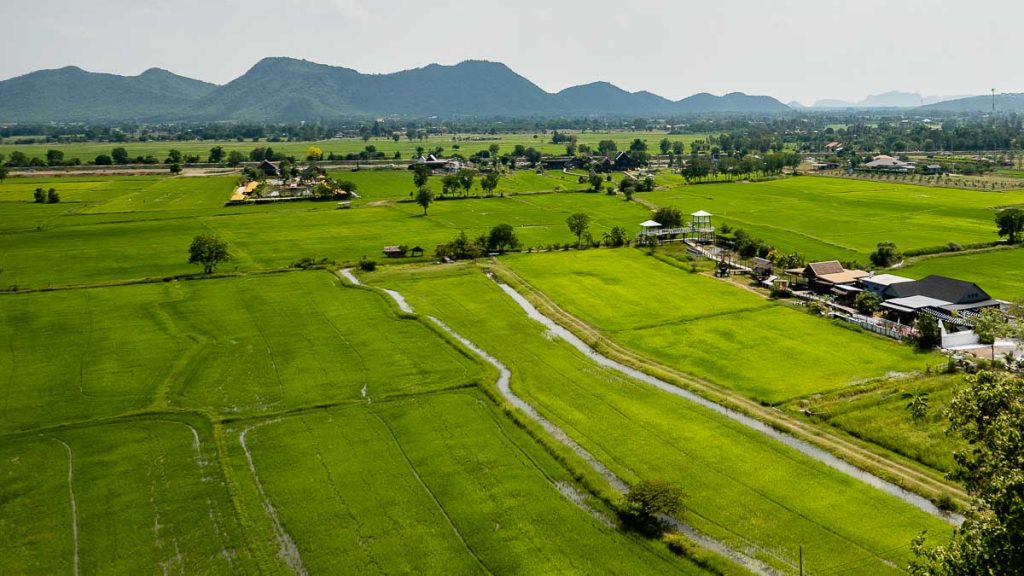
<point x="886" y="255"/>
<point x="928" y="333"/>
<point x="646" y="501"/>
<point x="367" y="265"/>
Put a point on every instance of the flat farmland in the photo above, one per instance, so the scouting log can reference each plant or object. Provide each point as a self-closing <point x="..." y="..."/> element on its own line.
<point x="467" y="144"/>
<point x="742" y="488"/>
<point x="712" y="329"/>
<point x="133" y="227"/>
<point x="129" y="497"/>
<point x="235" y="346"/>
<point x="878" y="413"/>
<point x="835" y="218"/>
<point x="435" y="484"/>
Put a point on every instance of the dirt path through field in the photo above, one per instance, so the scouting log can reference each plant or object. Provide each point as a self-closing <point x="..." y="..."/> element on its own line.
<point x="74" y="502"/>
<point x="287" y="549"/>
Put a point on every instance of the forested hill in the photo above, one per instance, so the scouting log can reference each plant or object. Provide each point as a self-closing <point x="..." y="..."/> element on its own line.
<point x="289" y="90"/>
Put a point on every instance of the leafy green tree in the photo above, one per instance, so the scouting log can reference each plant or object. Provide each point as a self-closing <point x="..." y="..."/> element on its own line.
<point x="638" y="145"/>
<point x="52" y="197"/>
<point x="103" y="160"/>
<point x="119" y="155"/>
<point x="216" y="155"/>
<point x="494" y="149"/>
<point x="39" y="195"/>
<point x="347" y="186"/>
<point x="665" y="145"/>
<point x="867" y="303"/>
<point x="606" y="147"/>
<point x="175" y="168"/>
<point x="3" y="173"/>
<point x="54" y="157"/>
<point x="502" y="237"/>
<point x="677" y="148"/>
<point x="466" y="177"/>
<point x="668" y="217"/>
<point x="990" y="325"/>
<point x="987" y="413"/>
<point x="616" y="237"/>
<point x="532" y="155"/>
<point x="648" y="500"/>
<point x="886" y="255"/>
<point x="208" y="251"/>
<point x="929" y="334"/>
<point x="424" y="197"/>
<point x="490" y="182"/>
<point x="579" y="224"/>
<point x="235" y="157"/>
<point x="420" y="175"/>
<point x="174" y="157"/>
<point x="449" y="184"/>
<point x="1011" y="224"/>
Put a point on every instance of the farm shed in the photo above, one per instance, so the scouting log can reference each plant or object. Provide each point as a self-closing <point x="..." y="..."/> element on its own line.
<point x="395" y="251"/>
<point x="956" y="295"/>
<point x="269" y="168"/>
<point x="878" y="283"/>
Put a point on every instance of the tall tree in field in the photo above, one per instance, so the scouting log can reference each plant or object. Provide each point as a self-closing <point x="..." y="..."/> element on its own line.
<point x="216" y="155"/>
<point x="501" y="238"/>
<point x="208" y="251"/>
<point x="1010" y="223"/>
<point x="987" y="413"/>
<point x="494" y="149"/>
<point x="420" y="175"/>
<point x="490" y="182"/>
<point x="466" y="179"/>
<point x="665" y="145"/>
<point x="119" y="155"/>
<point x="579" y="224"/>
<point x="424" y="197"/>
<point x="3" y="173"/>
<point x="54" y="157"/>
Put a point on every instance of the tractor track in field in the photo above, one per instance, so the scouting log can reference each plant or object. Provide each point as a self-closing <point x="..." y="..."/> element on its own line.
<point x="433" y="497"/>
<point x="74" y="502"/>
<point x="849" y="458"/>
<point x="287" y="549"/>
<point x="504" y="386"/>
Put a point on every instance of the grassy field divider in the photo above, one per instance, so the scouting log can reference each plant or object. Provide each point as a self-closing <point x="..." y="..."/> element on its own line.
<point x="927" y="483"/>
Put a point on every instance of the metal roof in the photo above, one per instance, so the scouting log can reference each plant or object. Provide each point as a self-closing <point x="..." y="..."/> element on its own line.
<point x="701" y="213"/>
<point x="650" y="223"/>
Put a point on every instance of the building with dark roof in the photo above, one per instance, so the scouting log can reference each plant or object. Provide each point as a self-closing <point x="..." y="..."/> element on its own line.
<point x="959" y="294"/>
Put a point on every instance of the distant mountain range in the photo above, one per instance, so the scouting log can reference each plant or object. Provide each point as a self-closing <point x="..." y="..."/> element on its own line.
<point x="288" y="90"/>
<point x="892" y="99"/>
<point x="1004" y="103"/>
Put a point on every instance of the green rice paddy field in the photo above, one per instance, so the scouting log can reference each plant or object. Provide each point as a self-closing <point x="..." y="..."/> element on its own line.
<point x="108" y="229"/>
<point x="741" y="487"/>
<point x="280" y="421"/>
<point x="467" y="144"/>
<point x="712" y="329"/>
<point x="834" y="218"/>
<point x="154" y="427"/>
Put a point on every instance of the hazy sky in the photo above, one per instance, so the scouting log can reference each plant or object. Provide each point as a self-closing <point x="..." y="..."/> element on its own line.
<point x="791" y="49"/>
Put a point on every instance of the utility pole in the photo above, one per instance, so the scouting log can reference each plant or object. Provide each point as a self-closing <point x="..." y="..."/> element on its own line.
<point x="801" y="560"/>
<point x="993" y="100"/>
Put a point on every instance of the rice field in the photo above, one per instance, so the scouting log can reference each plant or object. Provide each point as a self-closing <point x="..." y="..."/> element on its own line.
<point x="835" y="218"/>
<point x="741" y="487"/>
<point x="712" y="329"/>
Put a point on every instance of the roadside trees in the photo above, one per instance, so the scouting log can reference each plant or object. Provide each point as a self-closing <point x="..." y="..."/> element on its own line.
<point x="119" y="155"/>
<point x="490" y="182"/>
<point x="502" y="237"/>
